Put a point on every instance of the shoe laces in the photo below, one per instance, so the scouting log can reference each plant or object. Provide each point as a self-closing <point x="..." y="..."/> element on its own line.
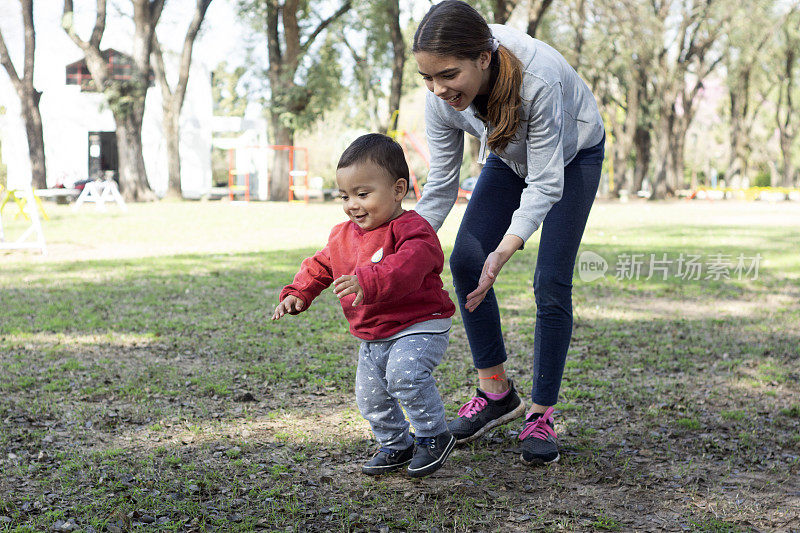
<point x="426" y="441"/>
<point x="540" y="427"/>
<point x="472" y="407"/>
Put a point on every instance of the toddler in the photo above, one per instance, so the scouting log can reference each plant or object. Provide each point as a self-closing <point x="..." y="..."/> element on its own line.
<point x="385" y="265"/>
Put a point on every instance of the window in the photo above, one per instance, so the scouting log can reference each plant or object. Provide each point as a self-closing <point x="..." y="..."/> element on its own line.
<point x="120" y="67"/>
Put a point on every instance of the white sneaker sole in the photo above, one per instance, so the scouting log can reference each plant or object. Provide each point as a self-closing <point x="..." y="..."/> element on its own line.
<point x="539" y="462"/>
<point x="380" y="470"/>
<point x="434" y="466"/>
<point x="508" y="417"/>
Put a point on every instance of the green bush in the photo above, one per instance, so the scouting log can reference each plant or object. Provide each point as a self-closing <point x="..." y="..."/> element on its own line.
<point x="762" y="179"/>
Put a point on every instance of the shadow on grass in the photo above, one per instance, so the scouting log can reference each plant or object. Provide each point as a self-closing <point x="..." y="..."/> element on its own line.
<point x="125" y="397"/>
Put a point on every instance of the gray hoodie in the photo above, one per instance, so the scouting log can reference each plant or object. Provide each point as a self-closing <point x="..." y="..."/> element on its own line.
<point x="559" y="117"/>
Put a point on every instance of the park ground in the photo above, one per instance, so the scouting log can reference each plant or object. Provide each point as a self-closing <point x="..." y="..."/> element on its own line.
<point x="143" y="386"/>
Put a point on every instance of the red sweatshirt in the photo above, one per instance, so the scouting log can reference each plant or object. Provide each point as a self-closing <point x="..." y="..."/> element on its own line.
<point x="398" y="266"/>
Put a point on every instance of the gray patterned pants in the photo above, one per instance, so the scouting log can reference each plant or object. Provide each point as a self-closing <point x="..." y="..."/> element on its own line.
<point x="398" y="372"/>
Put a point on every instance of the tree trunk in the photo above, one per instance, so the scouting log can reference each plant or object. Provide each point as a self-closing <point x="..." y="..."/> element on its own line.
<point x="126" y="99"/>
<point x="172" y="102"/>
<point x="787" y="168"/>
<point x="675" y="176"/>
<point x="502" y="9"/>
<point x="132" y="175"/>
<point x="536" y="12"/>
<point x="399" y="56"/>
<point x="28" y="95"/>
<point x="660" y="184"/>
<point x="736" y="157"/>
<point x="33" y="128"/>
<point x="171" y="127"/>
<point x="642" y="145"/>
<point x="620" y="161"/>
<point x="279" y="175"/>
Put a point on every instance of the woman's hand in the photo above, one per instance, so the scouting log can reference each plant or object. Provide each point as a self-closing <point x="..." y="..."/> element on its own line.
<point x="491" y="268"/>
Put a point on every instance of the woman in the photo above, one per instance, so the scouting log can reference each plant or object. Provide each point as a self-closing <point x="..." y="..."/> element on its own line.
<point x="541" y="124"/>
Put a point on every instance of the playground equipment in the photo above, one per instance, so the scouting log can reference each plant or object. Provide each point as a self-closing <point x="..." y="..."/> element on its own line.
<point x="99" y="192"/>
<point x="406" y="139"/>
<point x="234" y="187"/>
<point x="26" y="201"/>
<point x="296" y="173"/>
<point x="20" y="200"/>
<point x="248" y="168"/>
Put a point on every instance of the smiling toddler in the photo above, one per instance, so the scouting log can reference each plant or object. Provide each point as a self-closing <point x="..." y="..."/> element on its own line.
<point x="385" y="265"/>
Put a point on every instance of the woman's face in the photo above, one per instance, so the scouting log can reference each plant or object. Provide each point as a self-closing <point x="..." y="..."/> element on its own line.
<point x="456" y="81"/>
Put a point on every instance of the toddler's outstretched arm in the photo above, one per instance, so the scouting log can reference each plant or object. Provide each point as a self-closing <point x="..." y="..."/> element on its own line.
<point x="291" y="304"/>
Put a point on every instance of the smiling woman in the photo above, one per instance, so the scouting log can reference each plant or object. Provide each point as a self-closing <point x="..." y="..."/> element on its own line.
<point x="542" y="126"/>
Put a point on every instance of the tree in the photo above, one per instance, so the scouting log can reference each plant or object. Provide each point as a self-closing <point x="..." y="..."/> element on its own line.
<point x="748" y="40"/>
<point x="228" y="101"/>
<point x="787" y="112"/>
<point x="126" y="98"/>
<point x="502" y="9"/>
<point x="398" y="53"/>
<point x="536" y="12"/>
<point x="172" y="100"/>
<point x="611" y="48"/>
<point x="384" y="51"/>
<point x="28" y="95"/>
<point x="294" y="100"/>
<point x="683" y="62"/>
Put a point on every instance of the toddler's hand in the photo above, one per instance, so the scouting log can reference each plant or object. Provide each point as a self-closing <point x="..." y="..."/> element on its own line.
<point x="291" y="304"/>
<point x="348" y="285"/>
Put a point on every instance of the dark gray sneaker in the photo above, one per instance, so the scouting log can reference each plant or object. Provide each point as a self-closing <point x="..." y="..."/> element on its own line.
<point x="539" y="440"/>
<point x="387" y="460"/>
<point x="481" y="414"/>
<point x="430" y="454"/>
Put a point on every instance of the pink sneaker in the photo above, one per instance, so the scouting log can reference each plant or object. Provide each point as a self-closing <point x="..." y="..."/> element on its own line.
<point x="539" y="440"/>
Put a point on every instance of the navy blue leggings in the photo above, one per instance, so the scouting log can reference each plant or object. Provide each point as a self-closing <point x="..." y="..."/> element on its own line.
<point x="486" y="220"/>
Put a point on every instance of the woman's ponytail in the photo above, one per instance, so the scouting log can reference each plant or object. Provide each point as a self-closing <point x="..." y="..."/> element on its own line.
<point x="505" y="100"/>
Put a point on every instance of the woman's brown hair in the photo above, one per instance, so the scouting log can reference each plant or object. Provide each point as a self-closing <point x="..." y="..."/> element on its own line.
<point x="454" y="28"/>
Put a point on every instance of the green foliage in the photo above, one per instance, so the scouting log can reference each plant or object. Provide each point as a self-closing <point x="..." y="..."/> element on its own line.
<point x="301" y="106"/>
<point x="763" y="179"/>
<point x="123" y="97"/>
<point x="227" y="91"/>
<point x="309" y="85"/>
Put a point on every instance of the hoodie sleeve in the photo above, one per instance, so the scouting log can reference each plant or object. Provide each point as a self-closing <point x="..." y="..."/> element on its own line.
<point x="545" y="179"/>
<point x="417" y="254"/>
<point x="315" y="275"/>
<point x="446" y="146"/>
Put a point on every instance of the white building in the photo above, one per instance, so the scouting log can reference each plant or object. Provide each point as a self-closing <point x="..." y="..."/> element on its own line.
<point x="79" y="129"/>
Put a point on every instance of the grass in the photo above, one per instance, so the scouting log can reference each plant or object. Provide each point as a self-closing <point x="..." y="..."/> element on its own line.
<point x="142" y="384"/>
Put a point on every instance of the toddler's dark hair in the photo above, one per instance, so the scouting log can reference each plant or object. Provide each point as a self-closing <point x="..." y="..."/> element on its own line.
<point x="379" y="149"/>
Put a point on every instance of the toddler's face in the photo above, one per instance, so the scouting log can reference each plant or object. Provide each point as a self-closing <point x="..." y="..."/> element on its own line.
<point x="370" y="197"/>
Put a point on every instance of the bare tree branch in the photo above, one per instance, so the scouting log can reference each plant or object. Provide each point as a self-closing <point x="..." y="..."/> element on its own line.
<point x="325" y="23"/>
